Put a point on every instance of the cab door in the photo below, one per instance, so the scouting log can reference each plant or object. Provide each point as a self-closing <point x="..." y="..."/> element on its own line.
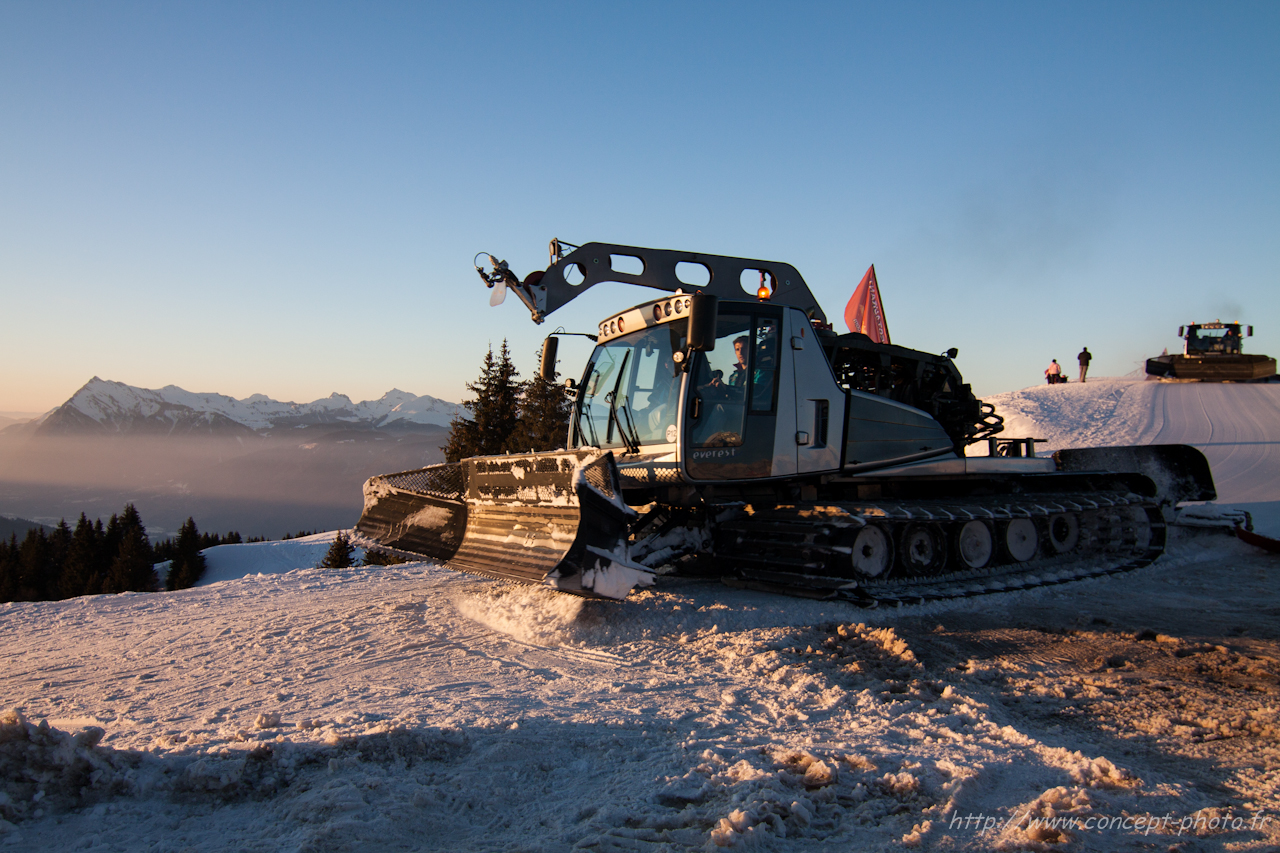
<point x="819" y="400"/>
<point x="732" y="412"/>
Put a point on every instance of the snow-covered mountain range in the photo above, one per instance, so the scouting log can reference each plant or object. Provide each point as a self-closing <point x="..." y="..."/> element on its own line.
<point x="103" y="406"/>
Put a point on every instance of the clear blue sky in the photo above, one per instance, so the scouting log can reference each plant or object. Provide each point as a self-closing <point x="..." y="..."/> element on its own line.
<point x="285" y="198"/>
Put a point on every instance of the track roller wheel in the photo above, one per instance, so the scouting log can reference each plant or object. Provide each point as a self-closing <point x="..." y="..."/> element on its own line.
<point x="974" y="544"/>
<point x="924" y="550"/>
<point x="872" y="552"/>
<point x="1064" y="532"/>
<point x="1021" y="539"/>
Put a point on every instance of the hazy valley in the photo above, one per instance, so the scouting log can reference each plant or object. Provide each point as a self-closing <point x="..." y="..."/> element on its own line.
<point x="256" y="465"/>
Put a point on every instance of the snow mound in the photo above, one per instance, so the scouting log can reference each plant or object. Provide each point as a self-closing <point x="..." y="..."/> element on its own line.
<point x="232" y="562"/>
<point x="1235" y="425"/>
<point x="47" y="771"/>
<point x="43" y="769"/>
<point x="1097" y="413"/>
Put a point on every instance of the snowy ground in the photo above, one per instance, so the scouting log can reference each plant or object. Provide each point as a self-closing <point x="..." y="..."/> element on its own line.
<point x="411" y="708"/>
<point x="1237" y="426"/>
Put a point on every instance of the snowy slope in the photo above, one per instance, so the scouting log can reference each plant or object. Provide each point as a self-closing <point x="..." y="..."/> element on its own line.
<point x="230" y="562"/>
<point x="115" y="406"/>
<point x="412" y="708"/>
<point x="1236" y="426"/>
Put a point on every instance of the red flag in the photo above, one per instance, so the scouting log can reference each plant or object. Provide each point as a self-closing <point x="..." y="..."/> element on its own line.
<point x="864" y="312"/>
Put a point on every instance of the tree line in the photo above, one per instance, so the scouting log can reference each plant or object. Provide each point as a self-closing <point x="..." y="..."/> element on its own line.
<point x="508" y="415"/>
<point x="94" y="558"/>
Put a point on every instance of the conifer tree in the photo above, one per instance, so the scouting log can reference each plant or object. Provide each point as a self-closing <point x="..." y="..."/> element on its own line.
<point x="102" y="555"/>
<point x="339" y="554"/>
<point x="462" y="441"/>
<point x="35" y="566"/>
<point x="59" y="548"/>
<point x="382" y="558"/>
<point x="79" y="572"/>
<point x="494" y="411"/>
<point x="132" y="567"/>
<point x="545" y="409"/>
<point x="9" y="569"/>
<point x="188" y="564"/>
<point x="108" y="545"/>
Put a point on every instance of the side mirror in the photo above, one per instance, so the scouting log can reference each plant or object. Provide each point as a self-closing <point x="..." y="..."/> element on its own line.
<point x="548" y="368"/>
<point x="1250" y="332"/>
<point x="1182" y="331"/>
<point x="702" y="322"/>
<point x="952" y="353"/>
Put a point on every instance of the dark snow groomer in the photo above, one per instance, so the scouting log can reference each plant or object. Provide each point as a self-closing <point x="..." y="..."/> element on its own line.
<point x="1213" y="352"/>
<point x="835" y="467"/>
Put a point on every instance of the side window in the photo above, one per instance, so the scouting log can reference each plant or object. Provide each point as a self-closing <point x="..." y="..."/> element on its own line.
<point x="764" y="379"/>
<point x="720" y="385"/>
<point x="738" y="377"/>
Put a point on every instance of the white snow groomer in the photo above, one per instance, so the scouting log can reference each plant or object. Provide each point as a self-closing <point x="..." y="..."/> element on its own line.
<point x="724" y="429"/>
<point x="1213" y="352"/>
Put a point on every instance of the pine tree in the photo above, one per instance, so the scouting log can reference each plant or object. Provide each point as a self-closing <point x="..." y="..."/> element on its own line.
<point x="103" y="552"/>
<point x="188" y="564"/>
<point x="132" y="567"/>
<point x="59" y="548"/>
<point x="78" y="572"/>
<point x="545" y="409"/>
<point x="108" y="546"/>
<point x="462" y="442"/>
<point x="494" y="411"/>
<point x="9" y="569"/>
<point x="382" y="558"/>
<point x="339" y="553"/>
<point x="35" y="556"/>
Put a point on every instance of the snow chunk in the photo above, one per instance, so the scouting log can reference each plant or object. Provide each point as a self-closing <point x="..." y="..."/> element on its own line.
<point x="267" y="720"/>
<point x="1040" y="825"/>
<point x="818" y="775"/>
<point x="528" y="613"/>
<point x="1101" y="773"/>
<point x="615" y="580"/>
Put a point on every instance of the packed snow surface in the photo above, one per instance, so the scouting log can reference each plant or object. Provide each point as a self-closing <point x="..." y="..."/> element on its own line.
<point x="413" y="708"/>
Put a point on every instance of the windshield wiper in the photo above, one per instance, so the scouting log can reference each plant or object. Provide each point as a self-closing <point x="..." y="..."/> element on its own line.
<point x="632" y="446"/>
<point x="628" y="430"/>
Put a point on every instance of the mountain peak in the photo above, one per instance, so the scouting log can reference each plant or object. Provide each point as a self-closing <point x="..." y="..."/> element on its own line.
<point x="106" y="406"/>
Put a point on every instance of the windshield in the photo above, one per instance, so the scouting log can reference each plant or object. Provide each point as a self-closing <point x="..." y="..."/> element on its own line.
<point x="631" y="394"/>
<point x="1200" y="339"/>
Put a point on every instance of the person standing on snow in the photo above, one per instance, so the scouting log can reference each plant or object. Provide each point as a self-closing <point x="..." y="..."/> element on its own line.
<point x="1053" y="373"/>
<point x="1084" y="358"/>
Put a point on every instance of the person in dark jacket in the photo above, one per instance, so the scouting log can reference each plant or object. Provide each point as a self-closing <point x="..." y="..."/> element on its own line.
<point x="1084" y="358"/>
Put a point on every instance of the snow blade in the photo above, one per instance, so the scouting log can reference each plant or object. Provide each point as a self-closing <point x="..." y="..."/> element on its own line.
<point x="1240" y="367"/>
<point x="555" y="518"/>
<point x="1179" y="472"/>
